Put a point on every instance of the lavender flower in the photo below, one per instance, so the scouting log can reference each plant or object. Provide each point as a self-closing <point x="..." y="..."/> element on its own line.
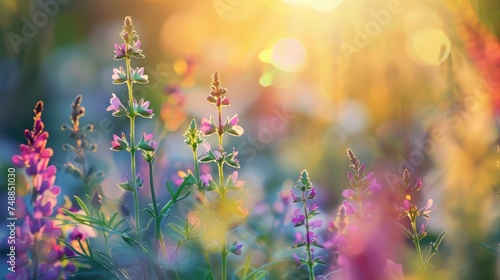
<point x="116" y="106"/>
<point x="302" y="217"/>
<point x="362" y="188"/>
<point x="39" y="253"/>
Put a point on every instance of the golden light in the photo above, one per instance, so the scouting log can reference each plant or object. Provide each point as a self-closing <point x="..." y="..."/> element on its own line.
<point x="430" y="46"/>
<point x="320" y="5"/>
<point x="288" y="54"/>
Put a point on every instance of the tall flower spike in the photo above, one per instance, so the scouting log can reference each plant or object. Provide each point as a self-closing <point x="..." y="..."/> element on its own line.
<point x="303" y="217"/>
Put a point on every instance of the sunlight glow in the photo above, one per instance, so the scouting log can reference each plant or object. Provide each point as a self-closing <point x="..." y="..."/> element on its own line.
<point x="288" y="54"/>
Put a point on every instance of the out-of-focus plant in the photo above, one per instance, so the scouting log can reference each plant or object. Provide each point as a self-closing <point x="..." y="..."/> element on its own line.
<point x="40" y="255"/>
<point x="408" y="208"/>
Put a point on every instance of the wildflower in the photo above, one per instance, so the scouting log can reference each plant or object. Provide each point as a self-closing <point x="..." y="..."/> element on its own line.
<point x="362" y="188"/>
<point x="119" y="76"/>
<point x="208" y="127"/>
<point x="119" y="143"/>
<point x="146" y="143"/>
<point x="120" y="51"/>
<point x="303" y="217"/>
<point x="116" y="106"/>
<point x="298" y="219"/>
<point x="142" y="109"/>
<point x="231" y="126"/>
<point x="137" y="75"/>
<point x="235" y="248"/>
<point x="233" y="182"/>
<point x="36" y="228"/>
<point x="410" y="210"/>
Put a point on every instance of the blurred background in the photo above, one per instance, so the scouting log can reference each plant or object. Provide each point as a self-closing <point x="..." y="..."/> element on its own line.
<point x="404" y="84"/>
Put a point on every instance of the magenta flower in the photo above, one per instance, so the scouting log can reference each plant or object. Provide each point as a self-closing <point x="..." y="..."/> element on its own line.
<point x="142" y="109"/>
<point x="137" y="75"/>
<point x="119" y="76"/>
<point x="233" y="182"/>
<point x="146" y="143"/>
<point x="231" y="126"/>
<point x="294" y="197"/>
<point x="120" y="51"/>
<point x="349" y="208"/>
<point x="298" y="219"/>
<point x="37" y="227"/>
<point x="119" y="144"/>
<point x="374" y="186"/>
<point x="206" y="179"/>
<point x="315" y="224"/>
<point x="299" y="240"/>
<point x="312" y="194"/>
<point x="208" y="127"/>
<point x="116" y="106"/>
<point x="348" y="193"/>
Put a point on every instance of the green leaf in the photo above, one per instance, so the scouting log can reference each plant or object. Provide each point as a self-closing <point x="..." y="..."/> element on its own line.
<point x="438" y="241"/>
<point x="247" y="266"/>
<point x="261" y="269"/>
<point x="82" y="205"/>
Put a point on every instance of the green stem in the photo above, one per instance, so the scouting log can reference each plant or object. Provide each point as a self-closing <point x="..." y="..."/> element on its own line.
<point x="222" y="190"/>
<point x="133" y="149"/>
<point x="308" y="242"/>
<point x="157" y="241"/>
<point x="136" y="209"/>
<point x="419" y="250"/>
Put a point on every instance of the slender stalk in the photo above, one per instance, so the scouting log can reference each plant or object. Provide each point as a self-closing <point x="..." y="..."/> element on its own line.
<point x="158" y="238"/>
<point x="133" y="150"/>
<point x="222" y="190"/>
<point x="419" y="250"/>
<point x="308" y="241"/>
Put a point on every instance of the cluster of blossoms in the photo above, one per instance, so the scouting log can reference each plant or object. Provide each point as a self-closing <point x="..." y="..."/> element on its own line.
<point x="217" y="214"/>
<point x="39" y="254"/>
<point x="362" y="188"/>
<point x="130" y="48"/>
<point x="407" y="208"/>
<point x="302" y="217"/>
<point x="354" y="213"/>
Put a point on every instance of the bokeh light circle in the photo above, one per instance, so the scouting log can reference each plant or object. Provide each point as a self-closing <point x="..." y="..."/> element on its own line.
<point x="430" y="45"/>
<point x="288" y="54"/>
